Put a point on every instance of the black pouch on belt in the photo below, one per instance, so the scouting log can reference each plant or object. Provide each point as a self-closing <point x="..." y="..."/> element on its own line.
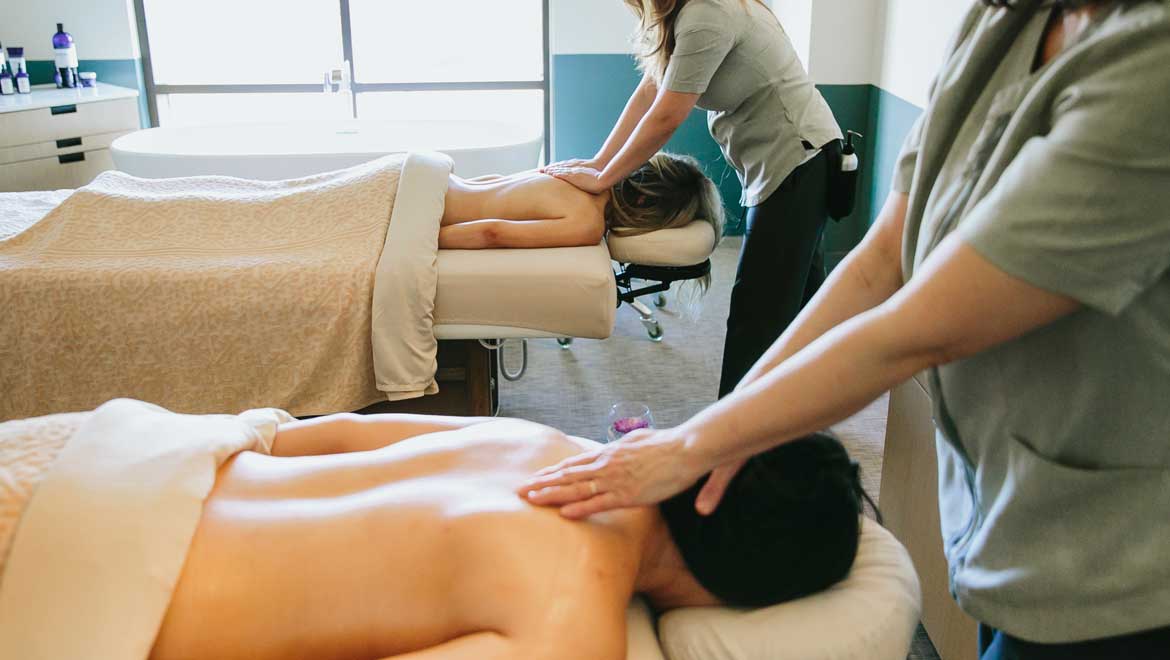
<point x="844" y="176"/>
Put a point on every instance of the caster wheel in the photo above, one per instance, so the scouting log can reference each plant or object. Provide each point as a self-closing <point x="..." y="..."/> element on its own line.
<point x="655" y="333"/>
<point x="660" y="300"/>
<point x="566" y="343"/>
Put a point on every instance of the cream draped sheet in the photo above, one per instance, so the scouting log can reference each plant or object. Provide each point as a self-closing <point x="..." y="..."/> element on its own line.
<point x="97" y="512"/>
<point x="209" y="294"/>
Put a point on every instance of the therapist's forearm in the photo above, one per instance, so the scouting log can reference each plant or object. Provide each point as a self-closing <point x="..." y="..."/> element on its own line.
<point x="828" y="381"/>
<point x="636" y="108"/>
<point x="958" y="305"/>
<point x="652" y="134"/>
<point x="868" y="276"/>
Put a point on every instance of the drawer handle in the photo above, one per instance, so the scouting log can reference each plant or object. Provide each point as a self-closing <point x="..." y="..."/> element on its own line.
<point x="63" y="109"/>
<point x="69" y="142"/>
<point x="71" y="158"/>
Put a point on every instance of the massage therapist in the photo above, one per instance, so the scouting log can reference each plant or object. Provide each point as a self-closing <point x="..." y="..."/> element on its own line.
<point x="1022" y="266"/>
<point x="732" y="58"/>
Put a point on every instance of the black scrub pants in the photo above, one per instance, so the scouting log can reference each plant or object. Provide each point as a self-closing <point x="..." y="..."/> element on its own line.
<point x="1148" y="645"/>
<point x="781" y="267"/>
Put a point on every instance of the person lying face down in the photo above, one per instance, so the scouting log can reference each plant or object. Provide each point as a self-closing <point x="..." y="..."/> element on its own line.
<point x="535" y="210"/>
<point x="403" y="537"/>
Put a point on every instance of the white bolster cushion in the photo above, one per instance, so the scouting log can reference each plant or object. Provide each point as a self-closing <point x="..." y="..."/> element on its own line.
<point x="684" y="246"/>
<point x="870" y="615"/>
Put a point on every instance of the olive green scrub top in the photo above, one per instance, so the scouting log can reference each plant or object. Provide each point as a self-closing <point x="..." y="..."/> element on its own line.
<point x="762" y="105"/>
<point x="1054" y="448"/>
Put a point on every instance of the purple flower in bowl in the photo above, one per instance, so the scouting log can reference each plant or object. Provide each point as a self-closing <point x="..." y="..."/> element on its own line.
<point x="629" y="424"/>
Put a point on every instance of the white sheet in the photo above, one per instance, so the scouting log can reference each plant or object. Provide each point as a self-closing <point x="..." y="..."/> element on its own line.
<point x="103" y="539"/>
<point x="407" y="278"/>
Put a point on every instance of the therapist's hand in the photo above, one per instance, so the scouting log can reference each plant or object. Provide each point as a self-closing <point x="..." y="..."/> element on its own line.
<point x="712" y="492"/>
<point x="592" y="163"/>
<point x="643" y="468"/>
<point x="586" y="178"/>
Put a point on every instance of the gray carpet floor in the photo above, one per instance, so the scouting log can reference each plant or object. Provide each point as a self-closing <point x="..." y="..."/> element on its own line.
<point x="573" y="389"/>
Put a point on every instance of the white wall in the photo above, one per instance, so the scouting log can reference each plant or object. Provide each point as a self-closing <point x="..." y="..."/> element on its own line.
<point x="915" y="38"/>
<point x="103" y="29"/>
<point x="846" y="41"/>
<point x="589" y="27"/>
<point x="797" y="18"/>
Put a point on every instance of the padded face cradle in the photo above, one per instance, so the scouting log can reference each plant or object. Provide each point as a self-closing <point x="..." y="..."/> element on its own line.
<point x="870" y="615"/>
<point x="684" y="246"/>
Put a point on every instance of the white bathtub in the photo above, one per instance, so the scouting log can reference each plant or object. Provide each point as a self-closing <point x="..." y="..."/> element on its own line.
<point x="288" y="150"/>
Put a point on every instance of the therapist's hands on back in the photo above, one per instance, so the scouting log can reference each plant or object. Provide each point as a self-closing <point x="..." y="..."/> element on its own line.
<point x="643" y="468"/>
<point x="585" y="175"/>
<point x="592" y="163"/>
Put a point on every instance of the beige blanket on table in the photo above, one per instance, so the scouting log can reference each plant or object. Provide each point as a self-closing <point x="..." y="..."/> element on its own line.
<point x="97" y="512"/>
<point x="213" y="294"/>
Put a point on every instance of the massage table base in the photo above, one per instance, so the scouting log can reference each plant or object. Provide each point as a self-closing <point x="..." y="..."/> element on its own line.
<point x="661" y="278"/>
<point x="468" y="384"/>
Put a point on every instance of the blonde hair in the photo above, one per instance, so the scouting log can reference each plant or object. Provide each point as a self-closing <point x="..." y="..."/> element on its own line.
<point x="668" y="192"/>
<point x="655" y="39"/>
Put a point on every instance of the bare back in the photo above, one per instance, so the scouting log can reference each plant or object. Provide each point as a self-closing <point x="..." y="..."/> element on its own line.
<point x="524" y="196"/>
<point x="385" y="552"/>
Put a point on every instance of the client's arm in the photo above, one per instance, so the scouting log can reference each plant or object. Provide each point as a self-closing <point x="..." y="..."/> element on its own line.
<point x="599" y="634"/>
<point x="340" y="434"/>
<point x="486" y="234"/>
<point x="478" y="646"/>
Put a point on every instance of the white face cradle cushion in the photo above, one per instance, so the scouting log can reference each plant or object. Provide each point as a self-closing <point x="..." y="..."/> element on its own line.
<point x="870" y="615"/>
<point x="684" y="246"/>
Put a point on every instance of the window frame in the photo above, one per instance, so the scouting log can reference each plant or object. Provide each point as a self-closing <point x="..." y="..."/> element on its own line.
<point x="545" y="85"/>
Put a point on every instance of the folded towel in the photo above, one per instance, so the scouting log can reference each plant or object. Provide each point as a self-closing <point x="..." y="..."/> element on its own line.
<point x="100" y="543"/>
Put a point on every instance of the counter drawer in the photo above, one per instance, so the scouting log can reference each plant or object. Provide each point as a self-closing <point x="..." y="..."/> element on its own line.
<point x="65" y="171"/>
<point x="58" y="147"/>
<point x="68" y="121"/>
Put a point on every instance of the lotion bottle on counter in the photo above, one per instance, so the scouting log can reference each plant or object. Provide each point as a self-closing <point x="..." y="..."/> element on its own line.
<point x="22" y="83"/>
<point x="6" y="87"/>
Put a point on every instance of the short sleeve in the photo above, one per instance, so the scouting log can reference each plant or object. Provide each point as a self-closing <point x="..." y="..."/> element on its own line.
<point x="1084" y="211"/>
<point x="699" y="51"/>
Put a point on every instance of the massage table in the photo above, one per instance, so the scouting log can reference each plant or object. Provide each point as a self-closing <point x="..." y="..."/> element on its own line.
<point x="870" y="615"/>
<point x="487" y="297"/>
<point x="565" y="292"/>
<point x="123" y="487"/>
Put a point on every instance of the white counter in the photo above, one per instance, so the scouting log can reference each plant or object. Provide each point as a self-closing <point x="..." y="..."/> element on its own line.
<point x="48" y="96"/>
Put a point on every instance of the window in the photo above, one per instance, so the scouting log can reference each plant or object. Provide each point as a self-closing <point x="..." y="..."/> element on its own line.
<point x="256" y="60"/>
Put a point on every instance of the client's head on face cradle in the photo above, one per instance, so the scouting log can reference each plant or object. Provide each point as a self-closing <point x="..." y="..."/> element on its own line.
<point x="788" y="526"/>
<point x="668" y="192"/>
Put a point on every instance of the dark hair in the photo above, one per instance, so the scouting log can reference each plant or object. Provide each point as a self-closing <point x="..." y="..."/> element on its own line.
<point x="788" y="526"/>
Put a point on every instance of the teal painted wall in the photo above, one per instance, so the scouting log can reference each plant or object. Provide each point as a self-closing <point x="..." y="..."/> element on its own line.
<point x="589" y="92"/>
<point x="891" y="119"/>
<point x="850" y="105"/>
<point x="124" y="73"/>
<point x="885" y="120"/>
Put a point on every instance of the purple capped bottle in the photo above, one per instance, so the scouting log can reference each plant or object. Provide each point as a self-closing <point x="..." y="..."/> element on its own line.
<point x="65" y="54"/>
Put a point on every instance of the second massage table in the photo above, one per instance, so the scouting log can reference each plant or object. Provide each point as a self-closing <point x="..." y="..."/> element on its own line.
<point x="483" y="297"/>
